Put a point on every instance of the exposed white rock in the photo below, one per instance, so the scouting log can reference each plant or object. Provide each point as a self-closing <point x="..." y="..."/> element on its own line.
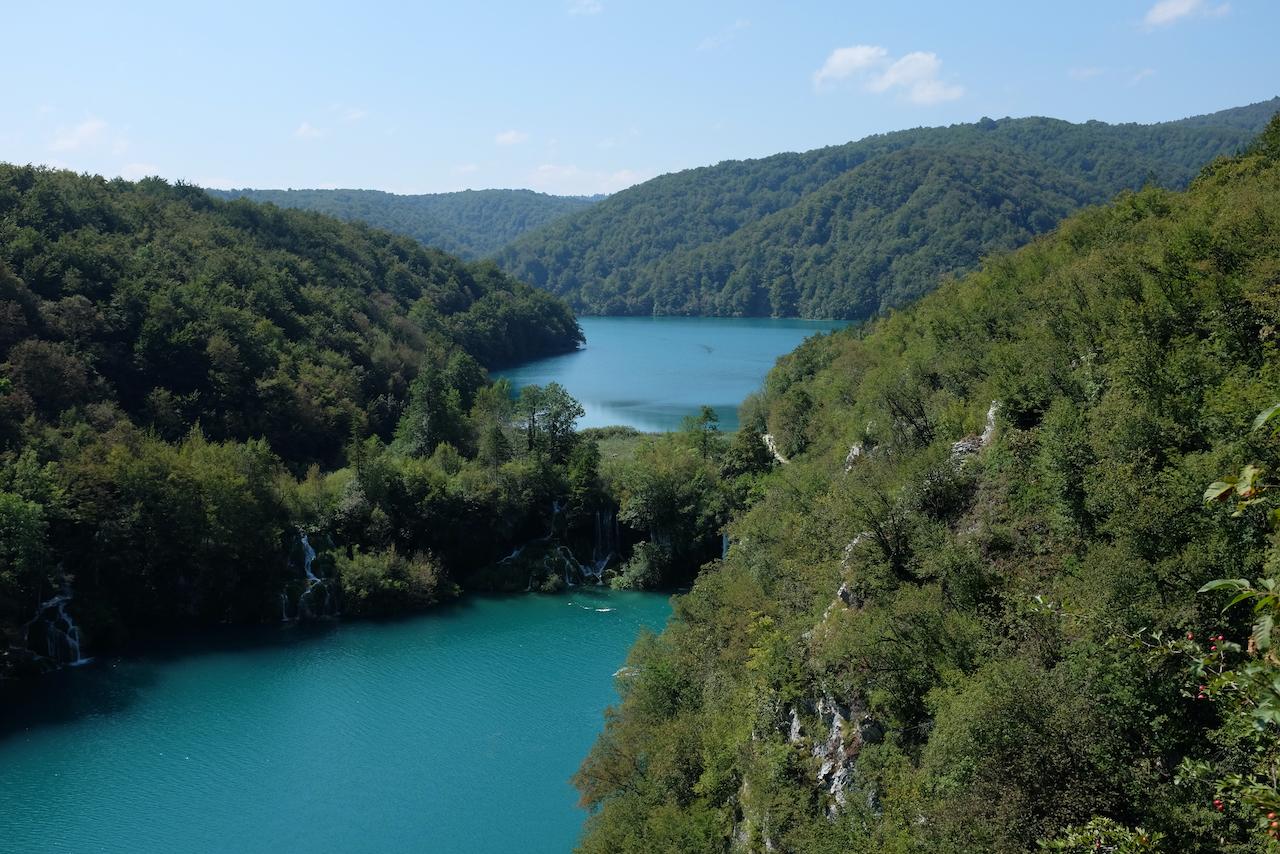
<point x="970" y="445"/>
<point x="772" y="445"/>
<point x="850" y="546"/>
<point x="855" y="454"/>
<point x="989" y="431"/>
<point x="837" y="758"/>
<point x="847" y="729"/>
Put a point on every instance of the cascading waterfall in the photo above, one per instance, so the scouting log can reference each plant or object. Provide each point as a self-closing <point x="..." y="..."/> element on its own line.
<point x="60" y="633"/>
<point x="548" y="556"/>
<point x="604" y="546"/>
<point x="307" y="604"/>
<point x="308" y="555"/>
<point x="724" y="545"/>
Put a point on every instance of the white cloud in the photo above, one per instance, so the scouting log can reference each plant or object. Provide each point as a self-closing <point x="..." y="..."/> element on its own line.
<point x="1084" y="73"/>
<point x="916" y="75"/>
<point x="585" y="7"/>
<point x="1168" y="12"/>
<point x="466" y="168"/>
<point x="306" y="130"/>
<point x="353" y="114"/>
<point x="847" y="61"/>
<point x="510" y="137"/>
<point x="575" y="181"/>
<point x="1141" y="75"/>
<point x="722" y="38"/>
<point x="88" y="133"/>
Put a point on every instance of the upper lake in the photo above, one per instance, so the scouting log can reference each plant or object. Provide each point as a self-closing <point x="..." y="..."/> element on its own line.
<point x="650" y="372"/>
<point x="456" y="730"/>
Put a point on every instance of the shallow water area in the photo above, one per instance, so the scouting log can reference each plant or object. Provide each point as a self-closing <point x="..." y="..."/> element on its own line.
<point x="651" y="372"/>
<point x="456" y="730"/>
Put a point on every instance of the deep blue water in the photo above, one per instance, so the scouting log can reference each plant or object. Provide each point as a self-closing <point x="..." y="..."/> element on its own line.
<point x="456" y="731"/>
<point x="650" y="372"/>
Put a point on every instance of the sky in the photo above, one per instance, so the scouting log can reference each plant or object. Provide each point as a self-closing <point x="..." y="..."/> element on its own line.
<point x="582" y="96"/>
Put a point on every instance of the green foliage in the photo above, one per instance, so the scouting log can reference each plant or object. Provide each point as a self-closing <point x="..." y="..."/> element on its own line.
<point x="469" y="224"/>
<point x="849" y="231"/>
<point x="177" y="373"/>
<point x="386" y="582"/>
<point x="1102" y="834"/>
<point x="943" y="625"/>
<point x="176" y="309"/>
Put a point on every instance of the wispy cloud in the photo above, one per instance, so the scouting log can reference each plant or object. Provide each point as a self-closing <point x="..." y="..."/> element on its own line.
<point x="585" y="7"/>
<point x="466" y="169"/>
<point x="572" y="180"/>
<point x="845" y="62"/>
<point x="916" y="75"/>
<point x="510" y="137"/>
<point x="722" y="38"/>
<point x="1167" y="12"/>
<point x="1139" y="76"/>
<point x="306" y="130"/>
<point x="1085" y="72"/>
<point x="88" y="133"/>
<point x="353" y="114"/>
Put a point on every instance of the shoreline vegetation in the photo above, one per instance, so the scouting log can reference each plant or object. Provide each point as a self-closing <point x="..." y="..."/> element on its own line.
<point x="223" y="412"/>
<point x="981" y="608"/>
<point x="937" y="582"/>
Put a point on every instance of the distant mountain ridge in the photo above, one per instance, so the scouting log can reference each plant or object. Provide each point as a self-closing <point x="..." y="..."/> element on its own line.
<point x="851" y="230"/>
<point x="471" y="224"/>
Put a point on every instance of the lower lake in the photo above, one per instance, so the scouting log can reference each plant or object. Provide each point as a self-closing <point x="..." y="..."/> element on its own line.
<point x="650" y="372"/>
<point x="454" y="731"/>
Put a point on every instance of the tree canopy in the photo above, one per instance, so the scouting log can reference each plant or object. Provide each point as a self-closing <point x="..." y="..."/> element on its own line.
<point x="850" y="230"/>
<point x="954" y="621"/>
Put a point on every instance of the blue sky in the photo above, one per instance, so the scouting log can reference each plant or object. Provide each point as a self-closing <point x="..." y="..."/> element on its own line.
<point x="582" y="96"/>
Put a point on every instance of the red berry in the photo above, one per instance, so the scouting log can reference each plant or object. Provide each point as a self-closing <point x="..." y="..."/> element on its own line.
<point x="1190" y="636"/>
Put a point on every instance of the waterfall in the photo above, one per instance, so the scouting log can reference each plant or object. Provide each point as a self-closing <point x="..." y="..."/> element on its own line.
<point x="306" y="606"/>
<point x="604" y="545"/>
<point x="61" y="634"/>
<point x="308" y="555"/>
<point x="724" y="545"/>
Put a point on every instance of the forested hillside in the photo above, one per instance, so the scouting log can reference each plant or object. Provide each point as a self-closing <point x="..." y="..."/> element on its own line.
<point x="470" y="224"/>
<point x="849" y="230"/>
<point x="964" y="616"/>
<point x="188" y="386"/>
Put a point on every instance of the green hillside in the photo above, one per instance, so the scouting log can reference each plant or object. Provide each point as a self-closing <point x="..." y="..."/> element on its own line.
<point x="964" y="616"/>
<point x="837" y="233"/>
<point x="470" y="224"/>
<point x="188" y="385"/>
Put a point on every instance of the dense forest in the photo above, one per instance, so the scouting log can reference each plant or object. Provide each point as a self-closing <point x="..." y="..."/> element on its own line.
<point x="851" y="230"/>
<point x="471" y="224"/>
<point x="976" y="610"/>
<point x="190" y="387"/>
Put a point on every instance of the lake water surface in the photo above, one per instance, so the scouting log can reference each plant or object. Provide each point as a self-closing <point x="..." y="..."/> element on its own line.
<point x="650" y="372"/>
<point x="454" y="731"/>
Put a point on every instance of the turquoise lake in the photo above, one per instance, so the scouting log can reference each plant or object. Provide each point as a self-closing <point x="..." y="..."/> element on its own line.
<point x="650" y="372"/>
<point x="455" y="731"/>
